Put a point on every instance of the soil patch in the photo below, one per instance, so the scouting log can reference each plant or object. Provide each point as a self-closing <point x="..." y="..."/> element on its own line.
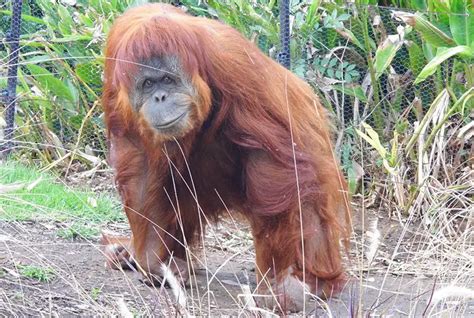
<point x="81" y="286"/>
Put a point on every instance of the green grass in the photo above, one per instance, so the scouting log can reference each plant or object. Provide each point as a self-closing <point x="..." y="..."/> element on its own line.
<point x="95" y="293"/>
<point x="49" y="199"/>
<point x="77" y="231"/>
<point x="41" y="274"/>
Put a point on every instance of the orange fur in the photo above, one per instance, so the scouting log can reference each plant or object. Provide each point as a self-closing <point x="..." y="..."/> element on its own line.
<point x="259" y="138"/>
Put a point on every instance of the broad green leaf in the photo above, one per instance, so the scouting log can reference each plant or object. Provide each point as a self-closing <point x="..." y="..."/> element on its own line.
<point x="431" y="34"/>
<point x="428" y="50"/>
<point x="351" y="180"/>
<point x="373" y="139"/>
<point x="86" y="20"/>
<point x="311" y="16"/>
<point x="73" y="89"/>
<point x="386" y="52"/>
<point x="344" y="17"/>
<point x="442" y="55"/>
<point x="24" y="17"/>
<point x="387" y="166"/>
<point x="354" y="91"/>
<point x="66" y="24"/>
<point x="394" y="149"/>
<point x="41" y="58"/>
<point x="271" y="4"/>
<point x="313" y="9"/>
<point x="72" y="38"/>
<point x="441" y="7"/>
<point x="418" y="5"/>
<point x="346" y="33"/>
<point x="49" y="83"/>
<point x="461" y="22"/>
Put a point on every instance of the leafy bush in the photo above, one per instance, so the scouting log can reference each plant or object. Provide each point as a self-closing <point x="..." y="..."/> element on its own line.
<point x="395" y="79"/>
<point x="60" y="78"/>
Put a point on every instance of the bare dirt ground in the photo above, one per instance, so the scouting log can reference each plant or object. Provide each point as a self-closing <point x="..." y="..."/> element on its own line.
<point x="81" y="286"/>
<point x="407" y="269"/>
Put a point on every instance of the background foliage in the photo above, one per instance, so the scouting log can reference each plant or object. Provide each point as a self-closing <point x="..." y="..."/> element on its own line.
<point x="397" y="76"/>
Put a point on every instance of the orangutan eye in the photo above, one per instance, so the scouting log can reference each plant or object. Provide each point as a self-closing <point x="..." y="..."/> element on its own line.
<point x="167" y="80"/>
<point x="148" y="83"/>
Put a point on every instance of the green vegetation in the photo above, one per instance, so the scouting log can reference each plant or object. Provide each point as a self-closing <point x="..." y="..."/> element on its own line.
<point x="78" y="231"/>
<point x="395" y="80"/>
<point x="41" y="274"/>
<point x="59" y="78"/>
<point x="398" y="81"/>
<point x="26" y="194"/>
<point x="95" y="293"/>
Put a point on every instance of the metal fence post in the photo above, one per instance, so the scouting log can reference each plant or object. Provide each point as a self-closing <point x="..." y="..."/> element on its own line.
<point x="284" y="55"/>
<point x="10" y="98"/>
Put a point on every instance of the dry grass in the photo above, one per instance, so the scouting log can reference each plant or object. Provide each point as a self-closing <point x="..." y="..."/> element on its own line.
<point x="406" y="262"/>
<point x="408" y="269"/>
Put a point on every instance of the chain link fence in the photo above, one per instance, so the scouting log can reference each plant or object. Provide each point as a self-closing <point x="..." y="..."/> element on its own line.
<point x="368" y="64"/>
<point x="58" y="114"/>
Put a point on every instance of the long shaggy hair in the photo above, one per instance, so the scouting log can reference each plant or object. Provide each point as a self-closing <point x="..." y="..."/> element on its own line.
<point x="263" y="125"/>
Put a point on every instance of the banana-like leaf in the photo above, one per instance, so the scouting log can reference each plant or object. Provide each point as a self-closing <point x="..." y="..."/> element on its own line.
<point x="386" y="52"/>
<point x="346" y="33"/>
<point x="24" y="17"/>
<point x="428" y="30"/>
<point x="373" y="139"/>
<point x="442" y="55"/>
<point x="461" y="22"/>
<point x="352" y="90"/>
<point x="312" y="13"/>
<point x="418" y="5"/>
<point x="49" y="83"/>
